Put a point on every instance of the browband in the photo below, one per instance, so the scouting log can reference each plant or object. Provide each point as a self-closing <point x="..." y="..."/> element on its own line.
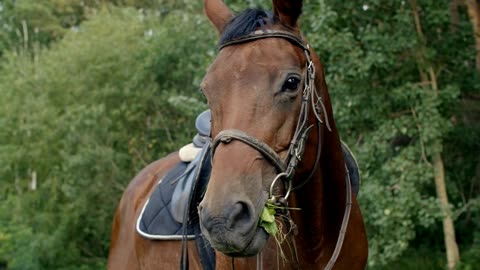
<point x="261" y="34"/>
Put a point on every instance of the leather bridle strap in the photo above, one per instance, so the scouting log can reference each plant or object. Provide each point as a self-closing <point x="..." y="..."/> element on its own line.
<point x="262" y="34"/>
<point x="226" y="136"/>
<point x="301" y="133"/>
<point x="343" y="227"/>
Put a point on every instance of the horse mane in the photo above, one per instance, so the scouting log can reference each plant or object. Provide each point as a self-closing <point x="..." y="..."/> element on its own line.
<point x="244" y="23"/>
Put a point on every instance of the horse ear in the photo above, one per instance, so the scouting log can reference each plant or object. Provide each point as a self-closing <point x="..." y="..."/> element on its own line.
<point x="287" y="11"/>
<point x="218" y="13"/>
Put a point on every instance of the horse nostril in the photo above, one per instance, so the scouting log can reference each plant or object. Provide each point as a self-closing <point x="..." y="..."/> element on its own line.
<point x="240" y="217"/>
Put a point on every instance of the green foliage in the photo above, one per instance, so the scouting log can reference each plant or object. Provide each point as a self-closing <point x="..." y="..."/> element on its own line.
<point x="393" y="119"/>
<point x="82" y="118"/>
<point x="32" y="23"/>
<point x="267" y="219"/>
<point x="417" y="258"/>
<point x="28" y="23"/>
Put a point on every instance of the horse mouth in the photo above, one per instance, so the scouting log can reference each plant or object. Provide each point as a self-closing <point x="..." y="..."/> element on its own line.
<point x="252" y="247"/>
<point x="235" y="233"/>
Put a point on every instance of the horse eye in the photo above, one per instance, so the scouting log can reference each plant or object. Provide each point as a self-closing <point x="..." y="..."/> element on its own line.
<point x="291" y="84"/>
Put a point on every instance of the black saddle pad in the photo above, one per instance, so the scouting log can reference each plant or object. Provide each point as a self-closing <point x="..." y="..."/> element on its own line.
<point x="156" y="220"/>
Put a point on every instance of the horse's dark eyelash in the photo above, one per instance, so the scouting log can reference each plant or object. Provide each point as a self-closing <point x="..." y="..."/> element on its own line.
<point x="295" y="75"/>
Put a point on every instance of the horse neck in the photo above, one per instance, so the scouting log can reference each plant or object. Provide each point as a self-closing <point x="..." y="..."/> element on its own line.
<point x="322" y="198"/>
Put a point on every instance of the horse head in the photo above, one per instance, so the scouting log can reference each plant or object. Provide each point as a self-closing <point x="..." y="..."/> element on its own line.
<point x="264" y="94"/>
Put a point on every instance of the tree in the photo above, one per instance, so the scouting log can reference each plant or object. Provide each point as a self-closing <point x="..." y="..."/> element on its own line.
<point x="397" y="118"/>
<point x="83" y="116"/>
<point x="474" y="13"/>
<point x="425" y="68"/>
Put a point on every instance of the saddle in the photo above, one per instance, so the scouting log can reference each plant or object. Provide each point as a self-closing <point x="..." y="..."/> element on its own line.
<point x="171" y="211"/>
<point x="178" y="193"/>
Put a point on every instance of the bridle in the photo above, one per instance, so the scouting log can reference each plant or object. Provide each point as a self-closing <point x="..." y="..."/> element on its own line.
<point x="310" y="98"/>
<point x="286" y="167"/>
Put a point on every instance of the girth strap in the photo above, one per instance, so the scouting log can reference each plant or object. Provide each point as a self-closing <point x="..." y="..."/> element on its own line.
<point x="226" y="136"/>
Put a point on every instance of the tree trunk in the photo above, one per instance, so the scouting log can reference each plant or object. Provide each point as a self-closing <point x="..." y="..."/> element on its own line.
<point x="473" y="7"/>
<point x="454" y="14"/>
<point x="451" y="247"/>
<point x="453" y="255"/>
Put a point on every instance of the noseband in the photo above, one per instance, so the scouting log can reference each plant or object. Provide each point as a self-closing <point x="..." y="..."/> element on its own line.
<point x="286" y="168"/>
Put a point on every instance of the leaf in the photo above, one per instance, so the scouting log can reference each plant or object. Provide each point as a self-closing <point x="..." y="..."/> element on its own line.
<point x="267" y="220"/>
<point x="268" y="215"/>
<point x="270" y="228"/>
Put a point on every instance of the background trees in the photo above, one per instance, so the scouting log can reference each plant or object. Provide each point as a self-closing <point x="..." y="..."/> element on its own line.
<point x="92" y="91"/>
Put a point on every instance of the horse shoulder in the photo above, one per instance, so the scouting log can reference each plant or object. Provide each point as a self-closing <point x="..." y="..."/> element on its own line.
<point x="123" y="253"/>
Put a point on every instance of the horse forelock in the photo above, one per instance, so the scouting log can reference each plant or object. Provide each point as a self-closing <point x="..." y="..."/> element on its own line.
<point x="244" y="23"/>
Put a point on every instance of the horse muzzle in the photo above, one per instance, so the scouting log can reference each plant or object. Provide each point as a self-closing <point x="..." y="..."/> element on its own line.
<point x="234" y="231"/>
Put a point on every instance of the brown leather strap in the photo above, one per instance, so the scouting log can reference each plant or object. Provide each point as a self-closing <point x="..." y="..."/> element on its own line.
<point x="226" y="136"/>
<point x="261" y="34"/>
<point x="346" y="217"/>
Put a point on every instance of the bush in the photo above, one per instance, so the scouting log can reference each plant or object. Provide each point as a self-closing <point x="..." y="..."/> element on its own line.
<point x="80" y="119"/>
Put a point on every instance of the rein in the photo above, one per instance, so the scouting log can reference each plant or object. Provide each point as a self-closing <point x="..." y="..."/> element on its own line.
<point x="286" y="168"/>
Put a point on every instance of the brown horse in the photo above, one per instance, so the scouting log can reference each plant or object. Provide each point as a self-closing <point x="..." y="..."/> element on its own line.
<point x="271" y="123"/>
